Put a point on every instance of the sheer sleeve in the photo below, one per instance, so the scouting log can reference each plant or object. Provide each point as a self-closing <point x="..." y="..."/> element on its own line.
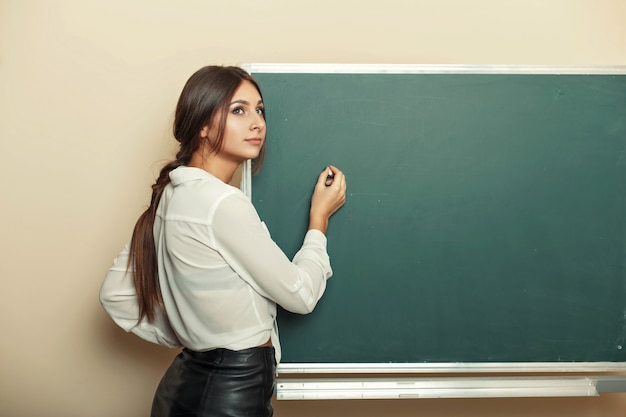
<point x="119" y="299"/>
<point x="245" y="243"/>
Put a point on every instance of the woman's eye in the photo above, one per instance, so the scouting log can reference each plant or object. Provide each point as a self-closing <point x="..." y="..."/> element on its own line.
<point x="238" y="110"/>
<point x="261" y="111"/>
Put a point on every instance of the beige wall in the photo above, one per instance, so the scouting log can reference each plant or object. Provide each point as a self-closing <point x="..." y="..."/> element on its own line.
<point x="87" y="90"/>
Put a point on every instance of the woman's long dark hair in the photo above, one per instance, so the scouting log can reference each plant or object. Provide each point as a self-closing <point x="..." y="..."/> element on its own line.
<point x="206" y="94"/>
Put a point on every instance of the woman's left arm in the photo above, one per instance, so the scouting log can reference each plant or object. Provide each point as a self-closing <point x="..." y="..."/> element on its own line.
<point x="119" y="299"/>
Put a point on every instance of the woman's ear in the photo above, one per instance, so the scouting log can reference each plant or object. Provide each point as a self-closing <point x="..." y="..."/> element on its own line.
<point x="204" y="132"/>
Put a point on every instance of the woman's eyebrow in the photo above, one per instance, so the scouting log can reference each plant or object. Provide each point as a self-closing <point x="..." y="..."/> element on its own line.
<point x="241" y="101"/>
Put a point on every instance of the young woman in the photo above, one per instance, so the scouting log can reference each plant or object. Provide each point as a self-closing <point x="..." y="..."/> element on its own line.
<point x="202" y="271"/>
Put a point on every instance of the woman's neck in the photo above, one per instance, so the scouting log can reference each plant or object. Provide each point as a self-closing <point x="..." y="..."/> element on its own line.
<point x="214" y="165"/>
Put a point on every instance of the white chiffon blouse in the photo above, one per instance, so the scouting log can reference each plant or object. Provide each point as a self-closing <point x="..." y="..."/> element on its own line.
<point x="220" y="272"/>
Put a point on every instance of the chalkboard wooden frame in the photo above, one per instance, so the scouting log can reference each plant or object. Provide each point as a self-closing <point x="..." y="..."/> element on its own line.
<point x="487" y="367"/>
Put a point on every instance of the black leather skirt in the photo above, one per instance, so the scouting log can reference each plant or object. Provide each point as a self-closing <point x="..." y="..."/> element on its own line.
<point x="218" y="383"/>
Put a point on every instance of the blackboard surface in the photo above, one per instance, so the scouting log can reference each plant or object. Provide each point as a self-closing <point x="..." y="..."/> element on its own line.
<point x="485" y="218"/>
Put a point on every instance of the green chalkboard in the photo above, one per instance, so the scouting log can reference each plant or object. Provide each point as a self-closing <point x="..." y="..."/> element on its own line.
<point x="485" y="218"/>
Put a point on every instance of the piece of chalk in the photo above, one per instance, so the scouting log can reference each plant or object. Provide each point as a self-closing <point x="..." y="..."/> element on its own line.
<point x="329" y="176"/>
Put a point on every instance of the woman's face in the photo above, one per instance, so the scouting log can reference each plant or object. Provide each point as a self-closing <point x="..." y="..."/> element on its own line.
<point x="244" y="133"/>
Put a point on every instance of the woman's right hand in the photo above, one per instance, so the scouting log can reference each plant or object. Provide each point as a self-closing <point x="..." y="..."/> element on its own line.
<point x="328" y="197"/>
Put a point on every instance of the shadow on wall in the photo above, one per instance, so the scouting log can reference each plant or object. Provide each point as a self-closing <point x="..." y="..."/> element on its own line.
<point x="148" y="357"/>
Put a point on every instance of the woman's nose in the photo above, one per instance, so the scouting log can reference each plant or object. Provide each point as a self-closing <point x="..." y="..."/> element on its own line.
<point x="258" y="123"/>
